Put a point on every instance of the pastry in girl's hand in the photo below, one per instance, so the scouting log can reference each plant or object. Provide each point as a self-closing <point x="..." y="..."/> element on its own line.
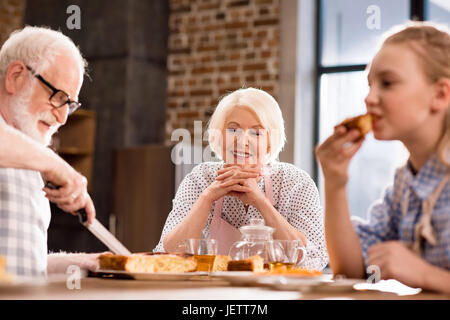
<point x="362" y="122"/>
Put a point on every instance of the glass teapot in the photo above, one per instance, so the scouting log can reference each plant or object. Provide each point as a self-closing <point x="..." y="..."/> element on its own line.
<point x="254" y="241"/>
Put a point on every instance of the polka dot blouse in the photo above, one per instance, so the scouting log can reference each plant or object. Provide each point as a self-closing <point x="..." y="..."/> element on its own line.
<point x="295" y="195"/>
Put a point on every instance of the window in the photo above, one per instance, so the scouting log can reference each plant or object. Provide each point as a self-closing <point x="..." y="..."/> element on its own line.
<point x="438" y="11"/>
<point x="351" y="29"/>
<point x="349" y="33"/>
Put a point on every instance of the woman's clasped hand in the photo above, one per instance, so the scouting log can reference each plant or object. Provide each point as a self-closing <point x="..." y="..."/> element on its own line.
<point x="246" y="178"/>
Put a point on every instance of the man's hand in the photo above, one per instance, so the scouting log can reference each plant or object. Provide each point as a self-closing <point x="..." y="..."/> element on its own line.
<point x="71" y="194"/>
<point x="398" y="262"/>
<point x="59" y="262"/>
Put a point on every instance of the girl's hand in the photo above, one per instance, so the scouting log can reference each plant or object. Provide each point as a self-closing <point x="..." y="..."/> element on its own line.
<point x="335" y="153"/>
<point x="398" y="262"/>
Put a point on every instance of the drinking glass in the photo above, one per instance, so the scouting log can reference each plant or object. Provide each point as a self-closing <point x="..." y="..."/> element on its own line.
<point x="285" y="254"/>
<point x="204" y="251"/>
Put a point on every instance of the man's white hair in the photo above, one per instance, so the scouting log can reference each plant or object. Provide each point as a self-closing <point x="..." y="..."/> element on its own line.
<point x="37" y="47"/>
<point x="263" y="105"/>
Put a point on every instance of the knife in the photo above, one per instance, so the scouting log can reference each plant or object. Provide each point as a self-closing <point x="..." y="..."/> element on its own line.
<point x="98" y="230"/>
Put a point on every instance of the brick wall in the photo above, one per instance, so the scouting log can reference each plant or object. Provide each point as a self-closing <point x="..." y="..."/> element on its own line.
<point x="11" y="17"/>
<point x="215" y="47"/>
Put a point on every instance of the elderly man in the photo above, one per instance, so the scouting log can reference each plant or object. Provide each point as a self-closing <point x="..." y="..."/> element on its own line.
<point x="41" y="74"/>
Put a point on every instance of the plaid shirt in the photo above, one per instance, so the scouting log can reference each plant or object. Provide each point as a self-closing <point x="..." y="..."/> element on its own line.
<point x="388" y="223"/>
<point x="24" y="220"/>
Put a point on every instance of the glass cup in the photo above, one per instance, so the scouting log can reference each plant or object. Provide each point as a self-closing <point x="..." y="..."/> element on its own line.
<point x="204" y="251"/>
<point x="285" y="254"/>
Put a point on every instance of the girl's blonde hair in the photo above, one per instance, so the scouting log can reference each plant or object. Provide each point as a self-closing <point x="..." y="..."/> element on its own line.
<point x="431" y="43"/>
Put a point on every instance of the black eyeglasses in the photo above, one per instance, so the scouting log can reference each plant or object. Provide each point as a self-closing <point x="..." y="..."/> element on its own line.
<point x="58" y="98"/>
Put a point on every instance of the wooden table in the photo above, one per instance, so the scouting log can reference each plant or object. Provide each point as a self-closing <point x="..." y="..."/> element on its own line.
<point x="119" y="289"/>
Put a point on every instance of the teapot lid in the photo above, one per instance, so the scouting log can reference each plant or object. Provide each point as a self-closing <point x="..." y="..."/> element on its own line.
<point x="257" y="227"/>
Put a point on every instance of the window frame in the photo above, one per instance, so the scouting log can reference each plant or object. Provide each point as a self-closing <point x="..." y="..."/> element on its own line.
<point x="418" y="12"/>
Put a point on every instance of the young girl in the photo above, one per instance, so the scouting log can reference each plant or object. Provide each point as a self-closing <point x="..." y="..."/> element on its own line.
<point x="408" y="235"/>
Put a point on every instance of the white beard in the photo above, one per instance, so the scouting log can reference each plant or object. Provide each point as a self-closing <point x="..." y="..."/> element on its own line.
<point x="28" y="123"/>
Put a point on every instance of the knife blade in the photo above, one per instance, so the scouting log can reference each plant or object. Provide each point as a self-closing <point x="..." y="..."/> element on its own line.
<point x="103" y="234"/>
<point x="98" y="230"/>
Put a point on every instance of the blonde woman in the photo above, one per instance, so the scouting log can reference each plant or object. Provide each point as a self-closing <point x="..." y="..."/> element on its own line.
<point x="247" y="132"/>
<point x="408" y="235"/>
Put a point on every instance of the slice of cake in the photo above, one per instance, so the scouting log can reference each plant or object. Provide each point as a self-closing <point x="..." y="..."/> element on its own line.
<point x="2" y="263"/>
<point x="4" y="276"/>
<point x="221" y="263"/>
<point x="293" y="272"/>
<point x="254" y="263"/>
<point x="148" y="263"/>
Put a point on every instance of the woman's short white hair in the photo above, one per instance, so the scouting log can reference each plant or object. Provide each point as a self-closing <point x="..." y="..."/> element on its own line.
<point x="37" y="47"/>
<point x="263" y="105"/>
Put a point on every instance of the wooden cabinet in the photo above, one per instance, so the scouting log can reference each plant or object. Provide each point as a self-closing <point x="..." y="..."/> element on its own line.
<point x="75" y="143"/>
<point x="143" y="192"/>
